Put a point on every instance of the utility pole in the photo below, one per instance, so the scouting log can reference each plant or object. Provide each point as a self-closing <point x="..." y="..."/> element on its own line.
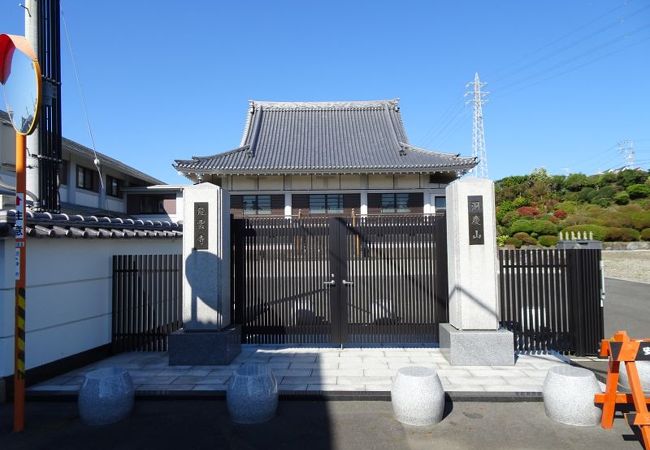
<point x="626" y="148"/>
<point x="478" y="133"/>
<point x="33" y="140"/>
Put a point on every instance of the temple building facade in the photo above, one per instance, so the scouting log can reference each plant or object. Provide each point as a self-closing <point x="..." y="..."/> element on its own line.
<point x="328" y="158"/>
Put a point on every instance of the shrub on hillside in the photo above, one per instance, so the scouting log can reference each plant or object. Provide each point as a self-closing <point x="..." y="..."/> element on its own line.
<point x="602" y="202"/>
<point x="638" y="191"/>
<point x="525" y="238"/>
<point x="576" y="181"/>
<point x="645" y="234"/>
<point x="513" y="241"/>
<point x="547" y="241"/>
<point x="598" y="231"/>
<point x="622" y="235"/>
<point x="519" y="202"/>
<point x="586" y="194"/>
<point x="508" y="218"/>
<point x="544" y="226"/>
<point x="528" y="211"/>
<point x="640" y="220"/>
<point x="568" y="206"/>
<point x="560" y="214"/>
<point x="520" y="225"/>
<point x="629" y="177"/>
<point x="622" y="198"/>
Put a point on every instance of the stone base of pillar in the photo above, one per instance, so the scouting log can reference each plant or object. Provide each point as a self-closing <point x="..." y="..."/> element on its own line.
<point x="205" y="347"/>
<point x="477" y="347"/>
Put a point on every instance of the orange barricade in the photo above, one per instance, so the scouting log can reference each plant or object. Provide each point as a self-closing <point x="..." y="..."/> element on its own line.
<point x="620" y="349"/>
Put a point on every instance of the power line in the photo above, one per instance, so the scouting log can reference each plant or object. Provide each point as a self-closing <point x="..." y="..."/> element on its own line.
<point x="556" y="52"/>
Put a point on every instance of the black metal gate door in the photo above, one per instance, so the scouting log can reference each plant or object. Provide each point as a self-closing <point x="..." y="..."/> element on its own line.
<point x="340" y="280"/>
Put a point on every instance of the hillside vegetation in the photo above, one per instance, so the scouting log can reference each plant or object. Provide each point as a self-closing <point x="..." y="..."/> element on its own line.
<point x="533" y="209"/>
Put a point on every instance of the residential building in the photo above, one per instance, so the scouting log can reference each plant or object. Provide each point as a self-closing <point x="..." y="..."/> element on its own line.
<point x="328" y="158"/>
<point x="85" y="189"/>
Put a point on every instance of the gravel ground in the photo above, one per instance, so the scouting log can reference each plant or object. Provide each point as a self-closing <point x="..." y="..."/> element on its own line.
<point x="631" y="265"/>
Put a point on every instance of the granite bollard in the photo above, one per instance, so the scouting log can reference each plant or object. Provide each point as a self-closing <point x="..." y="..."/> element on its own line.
<point x="417" y="396"/>
<point x="569" y="396"/>
<point x="106" y="396"/>
<point x="643" y="368"/>
<point x="252" y="395"/>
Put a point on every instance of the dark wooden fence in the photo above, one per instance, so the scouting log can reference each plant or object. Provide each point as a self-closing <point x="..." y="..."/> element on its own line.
<point x="147" y="301"/>
<point x="551" y="299"/>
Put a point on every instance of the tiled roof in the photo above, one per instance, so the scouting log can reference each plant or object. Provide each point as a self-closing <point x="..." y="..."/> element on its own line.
<point x="325" y="137"/>
<point x="77" y="226"/>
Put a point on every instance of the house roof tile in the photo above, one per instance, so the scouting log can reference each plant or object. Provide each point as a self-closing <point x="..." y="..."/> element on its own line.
<point x="325" y="137"/>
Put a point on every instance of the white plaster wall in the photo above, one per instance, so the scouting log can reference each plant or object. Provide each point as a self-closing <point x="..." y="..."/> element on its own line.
<point x="114" y="204"/>
<point x="380" y="181"/>
<point x="407" y="181"/>
<point x="300" y="182"/>
<point x="270" y="183"/>
<point x="325" y="182"/>
<point x="86" y="198"/>
<point x="68" y="294"/>
<point x="351" y="182"/>
<point x="244" y="183"/>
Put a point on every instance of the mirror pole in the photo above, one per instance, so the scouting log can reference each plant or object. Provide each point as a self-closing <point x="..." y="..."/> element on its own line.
<point x="21" y="242"/>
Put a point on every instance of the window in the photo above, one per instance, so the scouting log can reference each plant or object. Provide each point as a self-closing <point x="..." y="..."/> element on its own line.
<point x="256" y="205"/>
<point x="113" y="186"/>
<point x="326" y="204"/>
<point x="87" y="179"/>
<point x="440" y="203"/>
<point x="63" y="173"/>
<point x="395" y="203"/>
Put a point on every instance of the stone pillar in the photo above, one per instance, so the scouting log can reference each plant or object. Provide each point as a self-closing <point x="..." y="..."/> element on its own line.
<point x="207" y="337"/>
<point x="206" y="256"/>
<point x="472" y="336"/>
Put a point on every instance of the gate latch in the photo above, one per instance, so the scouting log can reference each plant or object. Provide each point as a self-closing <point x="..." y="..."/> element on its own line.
<point x="348" y="283"/>
<point x="332" y="282"/>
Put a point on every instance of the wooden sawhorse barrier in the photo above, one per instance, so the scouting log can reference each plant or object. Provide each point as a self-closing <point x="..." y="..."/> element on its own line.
<point x="622" y="349"/>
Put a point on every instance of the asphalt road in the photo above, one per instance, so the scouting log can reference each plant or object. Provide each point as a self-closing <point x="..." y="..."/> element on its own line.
<point x="197" y="424"/>
<point x="627" y="307"/>
<point x="315" y="425"/>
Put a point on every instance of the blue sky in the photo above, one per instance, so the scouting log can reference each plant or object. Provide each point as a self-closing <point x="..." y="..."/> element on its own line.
<point x="166" y="80"/>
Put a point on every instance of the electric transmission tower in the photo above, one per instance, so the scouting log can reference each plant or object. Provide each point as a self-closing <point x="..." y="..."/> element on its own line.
<point x="478" y="134"/>
<point x="626" y="148"/>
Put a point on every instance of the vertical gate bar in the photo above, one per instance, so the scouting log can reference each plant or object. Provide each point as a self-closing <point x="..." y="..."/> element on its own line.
<point x="519" y="309"/>
<point x="535" y="301"/>
<point x="115" y="305"/>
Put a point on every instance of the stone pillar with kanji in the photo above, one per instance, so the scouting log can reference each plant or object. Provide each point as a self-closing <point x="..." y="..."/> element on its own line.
<point x="473" y="335"/>
<point x="208" y="336"/>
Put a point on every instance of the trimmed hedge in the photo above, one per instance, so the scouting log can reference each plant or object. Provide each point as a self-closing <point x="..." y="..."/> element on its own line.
<point x="638" y="190"/>
<point x="513" y="241"/>
<point x="622" y="235"/>
<point x="539" y="226"/>
<point x="525" y="238"/>
<point x="645" y="234"/>
<point x="548" y="241"/>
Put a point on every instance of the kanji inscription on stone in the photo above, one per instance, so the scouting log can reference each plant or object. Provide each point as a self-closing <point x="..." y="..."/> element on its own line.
<point x="201" y="225"/>
<point x="475" y="214"/>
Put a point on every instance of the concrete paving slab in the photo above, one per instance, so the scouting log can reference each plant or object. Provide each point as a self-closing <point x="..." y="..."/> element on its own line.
<point x="370" y="369"/>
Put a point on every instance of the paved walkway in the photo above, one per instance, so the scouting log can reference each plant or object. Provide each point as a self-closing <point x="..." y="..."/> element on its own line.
<point x="320" y="369"/>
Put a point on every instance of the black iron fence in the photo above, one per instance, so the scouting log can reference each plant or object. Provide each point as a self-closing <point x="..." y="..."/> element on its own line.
<point x="147" y="301"/>
<point x="340" y="279"/>
<point x="552" y="299"/>
<point x="282" y="290"/>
